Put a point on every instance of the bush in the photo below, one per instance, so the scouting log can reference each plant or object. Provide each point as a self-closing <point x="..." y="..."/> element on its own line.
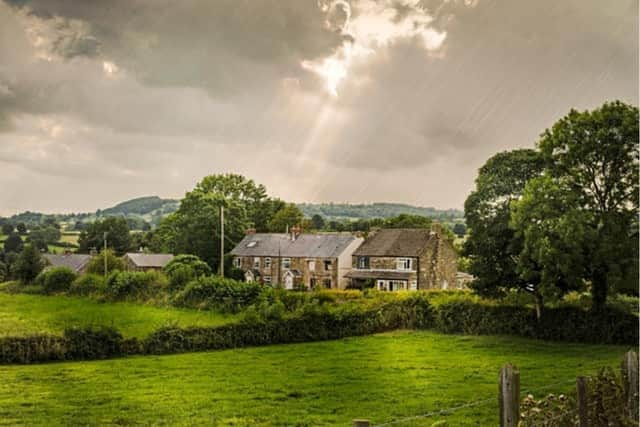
<point x="184" y="268"/>
<point x="562" y="323"/>
<point x="134" y="285"/>
<point x="88" y="284"/>
<point x="214" y="292"/>
<point x="57" y="279"/>
<point x="114" y="263"/>
<point x="94" y="343"/>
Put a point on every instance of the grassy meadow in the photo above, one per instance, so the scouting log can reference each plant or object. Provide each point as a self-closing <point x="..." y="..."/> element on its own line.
<point x="382" y="377"/>
<point x="22" y="314"/>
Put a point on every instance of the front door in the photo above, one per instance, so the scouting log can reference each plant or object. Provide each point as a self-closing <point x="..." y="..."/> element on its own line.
<point x="288" y="280"/>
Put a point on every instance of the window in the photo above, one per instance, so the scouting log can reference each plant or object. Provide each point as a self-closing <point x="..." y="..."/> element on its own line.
<point x="313" y="283"/>
<point x="363" y="262"/>
<point x="326" y="283"/>
<point x="267" y="279"/>
<point x="312" y="265"/>
<point x="414" y="285"/>
<point x="251" y="244"/>
<point x="237" y="262"/>
<point x="327" y="265"/>
<point x="267" y="262"/>
<point x="256" y="262"/>
<point x="404" y="264"/>
<point x="286" y="262"/>
<point x="397" y="285"/>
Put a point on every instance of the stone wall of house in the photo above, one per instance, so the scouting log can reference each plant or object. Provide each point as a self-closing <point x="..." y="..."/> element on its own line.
<point x="438" y="264"/>
<point x="301" y="264"/>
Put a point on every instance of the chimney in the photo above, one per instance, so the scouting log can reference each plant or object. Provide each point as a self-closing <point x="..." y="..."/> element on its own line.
<point x="250" y="231"/>
<point x="295" y="232"/>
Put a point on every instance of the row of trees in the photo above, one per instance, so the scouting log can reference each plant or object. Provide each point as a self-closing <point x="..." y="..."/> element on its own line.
<point x="561" y="217"/>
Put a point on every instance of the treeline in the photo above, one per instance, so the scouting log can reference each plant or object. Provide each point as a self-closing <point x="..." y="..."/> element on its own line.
<point x="346" y="211"/>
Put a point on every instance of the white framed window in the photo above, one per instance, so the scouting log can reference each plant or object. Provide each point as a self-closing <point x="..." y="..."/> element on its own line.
<point x="237" y="262"/>
<point x="312" y="265"/>
<point x="327" y="265"/>
<point x="404" y="264"/>
<point x="256" y="262"/>
<point x="326" y="283"/>
<point x="267" y="279"/>
<point x="363" y="262"/>
<point x="397" y="285"/>
<point x="286" y="262"/>
<point x="414" y="285"/>
<point x="267" y="262"/>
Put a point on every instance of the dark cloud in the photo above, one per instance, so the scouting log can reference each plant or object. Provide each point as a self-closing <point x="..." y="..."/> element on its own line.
<point x="132" y="97"/>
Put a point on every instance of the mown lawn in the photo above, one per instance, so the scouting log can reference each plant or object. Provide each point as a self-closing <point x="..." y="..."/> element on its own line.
<point x="22" y="314"/>
<point x="381" y="377"/>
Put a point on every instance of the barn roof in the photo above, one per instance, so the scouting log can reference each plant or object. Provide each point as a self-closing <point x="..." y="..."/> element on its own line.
<point x="149" y="260"/>
<point x="75" y="262"/>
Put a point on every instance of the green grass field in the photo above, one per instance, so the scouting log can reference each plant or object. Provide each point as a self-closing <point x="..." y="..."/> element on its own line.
<point x="381" y="377"/>
<point x="22" y="314"/>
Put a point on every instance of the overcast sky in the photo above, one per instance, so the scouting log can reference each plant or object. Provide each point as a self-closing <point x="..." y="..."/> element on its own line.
<point x="319" y="100"/>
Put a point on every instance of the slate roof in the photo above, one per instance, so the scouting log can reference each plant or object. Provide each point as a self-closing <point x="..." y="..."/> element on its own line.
<point x="305" y="245"/>
<point x="149" y="260"/>
<point x="407" y="242"/>
<point x="75" y="262"/>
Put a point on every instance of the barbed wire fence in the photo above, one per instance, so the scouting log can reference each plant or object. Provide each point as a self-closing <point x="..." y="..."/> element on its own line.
<point x="510" y="396"/>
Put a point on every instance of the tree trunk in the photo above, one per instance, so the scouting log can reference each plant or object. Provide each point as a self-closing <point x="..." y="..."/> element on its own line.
<point x="598" y="290"/>
<point x="539" y="305"/>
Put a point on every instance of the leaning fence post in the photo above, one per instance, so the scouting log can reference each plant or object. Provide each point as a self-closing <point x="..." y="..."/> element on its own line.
<point x="361" y="423"/>
<point x="630" y="378"/>
<point x="583" y="408"/>
<point x="509" y="396"/>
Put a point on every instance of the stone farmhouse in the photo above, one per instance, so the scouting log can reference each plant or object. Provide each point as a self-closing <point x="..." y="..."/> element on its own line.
<point x="296" y="260"/>
<point x="405" y="259"/>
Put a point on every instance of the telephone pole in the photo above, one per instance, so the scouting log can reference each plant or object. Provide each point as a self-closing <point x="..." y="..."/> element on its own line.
<point x="104" y="253"/>
<point x="221" y="241"/>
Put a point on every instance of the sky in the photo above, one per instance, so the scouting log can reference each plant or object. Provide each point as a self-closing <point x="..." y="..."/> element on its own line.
<point x="319" y="100"/>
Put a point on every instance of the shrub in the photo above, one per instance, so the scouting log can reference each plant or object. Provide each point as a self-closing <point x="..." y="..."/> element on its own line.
<point x="218" y="293"/>
<point x="114" y="263"/>
<point x="185" y="268"/>
<point x="57" y="279"/>
<point x="88" y="284"/>
<point x="93" y="343"/>
<point x="134" y="285"/>
<point x="35" y="348"/>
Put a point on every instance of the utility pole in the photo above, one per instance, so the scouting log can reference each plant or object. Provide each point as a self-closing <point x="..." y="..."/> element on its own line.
<point x="104" y="253"/>
<point x="221" y="241"/>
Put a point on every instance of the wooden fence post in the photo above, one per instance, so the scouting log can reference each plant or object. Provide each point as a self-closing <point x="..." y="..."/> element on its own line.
<point x="630" y="378"/>
<point x="361" y="423"/>
<point x="583" y="408"/>
<point x="509" y="396"/>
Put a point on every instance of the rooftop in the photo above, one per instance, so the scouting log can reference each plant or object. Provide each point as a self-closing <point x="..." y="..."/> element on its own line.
<point x="329" y="245"/>
<point x="74" y="262"/>
<point x="149" y="260"/>
<point x="408" y="242"/>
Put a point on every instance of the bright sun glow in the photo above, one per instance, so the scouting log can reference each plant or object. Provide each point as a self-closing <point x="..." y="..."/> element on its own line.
<point x="332" y="70"/>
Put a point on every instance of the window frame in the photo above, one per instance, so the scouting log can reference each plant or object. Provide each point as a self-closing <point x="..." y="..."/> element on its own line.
<point x="256" y="262"/>
<point x="403" y="261"/>
<point x="286" y="263"/>
<point x="363" y="263"/>
<point x="267" y="262"/>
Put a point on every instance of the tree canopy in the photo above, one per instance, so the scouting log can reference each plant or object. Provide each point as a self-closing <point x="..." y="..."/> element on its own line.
<point x="118" y="237"/>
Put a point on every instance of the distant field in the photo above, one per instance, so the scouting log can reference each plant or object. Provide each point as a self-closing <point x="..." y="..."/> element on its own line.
<point x="22" y="314"/>
<point x="381" y="377"/>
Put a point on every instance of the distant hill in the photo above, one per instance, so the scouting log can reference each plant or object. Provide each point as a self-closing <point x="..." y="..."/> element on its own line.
<point x="342" y="211"/>
<point x="143" y="212"/>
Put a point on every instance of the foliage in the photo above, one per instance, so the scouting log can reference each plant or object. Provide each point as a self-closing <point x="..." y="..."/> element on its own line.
<point x="340" y="211"/>
<point x="491" y="242"/>
<point x="195" y="227"/>
<point x="13" y="243"/>
<point x="114" y="263"/>
<point x="57" y="279"/>
<point x="559" y="324"/>
<point x="286" y="218"/>
<point x="592" y="160"/>
<point x="28" y="264"/>
<point x="317" y="222"/>
<point x="21" y="228"/>
<point x="185" y="268"/>
<point x="215" y="292"/>
<point x="88" y="284"/>
<point x="135" y="285"/>
<point x="459" y="229"/>
<point x="118" y="237"/>
<point x="7" y="228"/>
<point x="406" y="221"/>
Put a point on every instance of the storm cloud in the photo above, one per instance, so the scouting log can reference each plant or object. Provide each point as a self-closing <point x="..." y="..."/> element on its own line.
<point x="331" y="100"/>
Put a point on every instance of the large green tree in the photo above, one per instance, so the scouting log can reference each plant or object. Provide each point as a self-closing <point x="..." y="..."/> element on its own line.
<point x="287" y="217"/>
<point x="28" y="264"/>
<point x="118" y="236"/>
<point x="195" y="227"/>
<point x="491" y="242"/>
<point x="590" y="196"/>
